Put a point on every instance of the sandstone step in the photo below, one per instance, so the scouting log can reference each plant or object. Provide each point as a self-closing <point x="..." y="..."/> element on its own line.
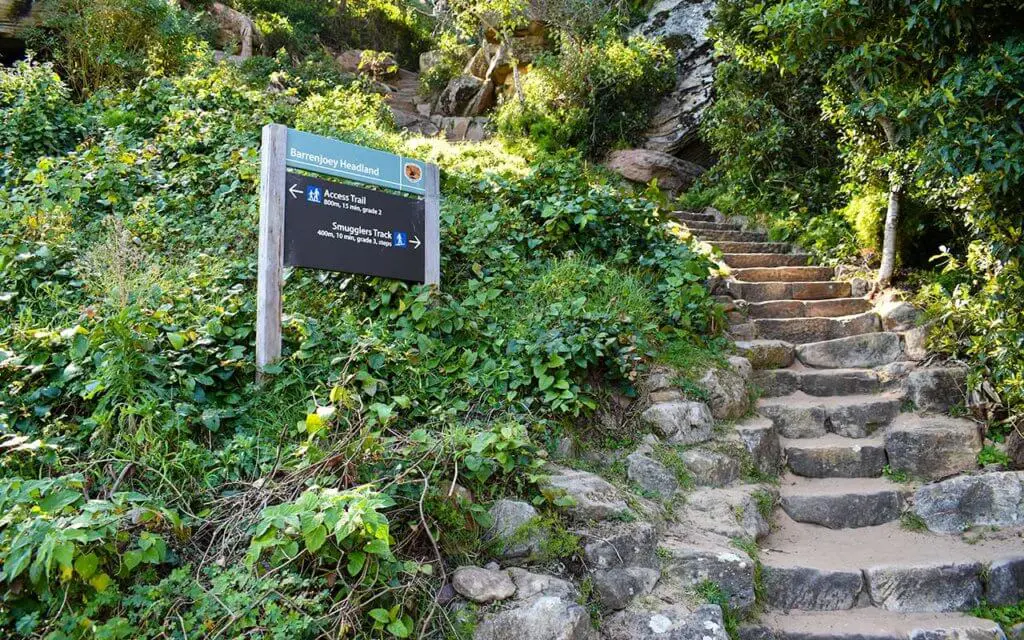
<point x="870" y="624"/>
<point x="865" y="350"/>
<point x="842" y="503"/>
<point x="808" y="308"/>
<point x="932" y="447"/>
<point x="693" y="216"/>
<point x="784" y="274"/>
<point x="730" y="235"/>
<point x="764" y="291"/>
<point x="799" y="415"/>
<point x="808" y="567"/>
<point x="817" y="382"/>
<point x="804" y="330"/>
<point x="694" y="225"/>
<point x="746" y="260"/>
<point x="767" y="354"/>
<point x="834" y="456"/>
<point x="727" y="246"/>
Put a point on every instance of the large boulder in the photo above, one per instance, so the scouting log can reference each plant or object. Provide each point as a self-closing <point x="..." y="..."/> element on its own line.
<point x="616" y="588"/>
<point x="459" y="96"/>
<point x="989" y="499"/>
<point x="675" y="127"/>
<point x="644" y="165"/>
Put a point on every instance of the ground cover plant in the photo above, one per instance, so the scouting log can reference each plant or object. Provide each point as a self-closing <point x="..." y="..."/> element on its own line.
<point x="150" y="488"/>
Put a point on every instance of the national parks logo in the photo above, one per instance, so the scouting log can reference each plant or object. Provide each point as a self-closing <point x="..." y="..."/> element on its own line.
<point x="413" y="172"/>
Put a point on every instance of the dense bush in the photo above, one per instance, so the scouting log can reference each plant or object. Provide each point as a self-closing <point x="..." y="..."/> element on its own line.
<point x="98" y="43"/>
<point x="303" y="27"/>
<point x="141" y="467"/>
<point x="592" y="95"/>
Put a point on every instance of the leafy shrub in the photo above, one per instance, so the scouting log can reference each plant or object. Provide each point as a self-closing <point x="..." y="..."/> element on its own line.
<point x="594" y="95"/>
<point x="37" y="117"/>
<point x="137" y="35"/>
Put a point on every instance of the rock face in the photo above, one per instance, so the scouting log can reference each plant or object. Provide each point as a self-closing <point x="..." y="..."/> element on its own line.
<point x="483" y="585"/>
<point x="674" y="128"/>
<point x="459" y="96"/>
<point x="950" y="506"/>
<point x="947" y="587"/>
<point x="680" y="422"/>
<point x="644" y="165"/>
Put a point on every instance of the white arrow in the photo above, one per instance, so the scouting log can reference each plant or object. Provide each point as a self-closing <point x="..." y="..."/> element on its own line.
<point x="416" y="242"/>
<point x="292" y="190"/>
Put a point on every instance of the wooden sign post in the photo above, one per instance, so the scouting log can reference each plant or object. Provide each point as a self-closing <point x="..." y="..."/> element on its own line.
<point x="316" y="223"/>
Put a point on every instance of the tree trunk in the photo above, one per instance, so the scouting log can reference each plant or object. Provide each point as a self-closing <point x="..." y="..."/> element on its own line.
<point x="892" y="218"/>
<point x="892" y="214"/>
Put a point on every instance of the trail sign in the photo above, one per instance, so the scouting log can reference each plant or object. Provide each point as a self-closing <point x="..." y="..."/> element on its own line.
<point x="328" y="225"/>
<point x="320" y="224"/>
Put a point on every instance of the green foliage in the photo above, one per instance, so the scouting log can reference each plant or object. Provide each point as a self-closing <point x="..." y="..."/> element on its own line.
<point x="138" y="36"/>
<point x="37" y="117"/>
<point x="127" y="266"/>
<point x="895" y="475"/>
<point x="912" y="522"/>
<point x="592" y="96"/>
<point x="1006" y="616"/>
<point x="379" y="25"/>
<point x="990" y="454"/>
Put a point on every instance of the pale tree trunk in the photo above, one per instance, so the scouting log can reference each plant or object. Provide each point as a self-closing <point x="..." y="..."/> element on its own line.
<point x="892" y="214"/>
<point x="892" y="217"/>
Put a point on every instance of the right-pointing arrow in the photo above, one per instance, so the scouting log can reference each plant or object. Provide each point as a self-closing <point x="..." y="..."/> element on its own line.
<point x="295" y="191"/>
<point x="416" y="242"/>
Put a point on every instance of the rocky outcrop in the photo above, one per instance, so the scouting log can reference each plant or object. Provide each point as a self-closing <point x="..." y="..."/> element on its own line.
<point x="644" y="165"/>
<point x="674" y="128"/>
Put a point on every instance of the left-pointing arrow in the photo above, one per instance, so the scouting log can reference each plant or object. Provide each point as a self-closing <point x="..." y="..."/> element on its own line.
<point x="295" y="191"/>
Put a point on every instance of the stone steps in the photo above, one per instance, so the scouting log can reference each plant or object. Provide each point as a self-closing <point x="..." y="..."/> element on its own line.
<point x="804" y="330"/>
<point x="731" y="235"/>
<point x="813" y="568"/>
<point x="870" y="624"/>
<point x="765" y="291"/>
<point x="818" y="382"/>
<point x="834" y="456"/>
<point x="693" y="216"/>
<point x="767" y="354"/>
<point x="728" y="246"/>
<point x="784" y="274"/>
<point x="828" y="308"/>
<point x="865" y="350"/>
<point x="841" y="503"/>
<point x="697" y="225"/>
<point x="799" y="415"/>
<point x="748" y="260"/>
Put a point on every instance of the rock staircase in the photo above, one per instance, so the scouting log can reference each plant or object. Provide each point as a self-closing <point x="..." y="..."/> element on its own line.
<point x="412" y="114"/>
<point x="835" y="384"/>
